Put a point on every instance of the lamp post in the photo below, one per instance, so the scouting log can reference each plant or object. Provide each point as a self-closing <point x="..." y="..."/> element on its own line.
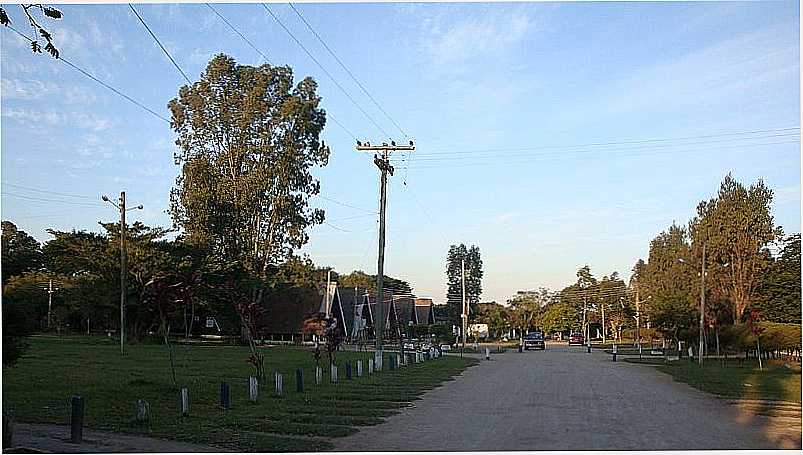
<point x="123" y="261"/>
<point x="702" y="302"/>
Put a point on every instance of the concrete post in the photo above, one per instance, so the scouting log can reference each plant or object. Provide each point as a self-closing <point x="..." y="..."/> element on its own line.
<point x="77" y="419"/>
<point x="253" y="388"/>
<point x="185" y="402"/>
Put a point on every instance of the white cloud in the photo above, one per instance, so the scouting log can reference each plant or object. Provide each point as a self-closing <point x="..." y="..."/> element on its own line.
<point x="82" y="120"/>
<point x="17" y="89"/>
<point x="450" y="45"/>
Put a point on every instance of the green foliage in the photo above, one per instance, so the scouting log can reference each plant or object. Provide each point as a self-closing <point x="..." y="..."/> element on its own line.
<point x="20" y="252"/>
<point x="526" y="306"/>
<point x="557" y="317"/>
<point x="454" y="293"/>
<point x="779" y="292"/>
<point x="19" y="321"/>
<point x="362" y="280"/>
<point x="775" y="337"/>
<point x="247" y="139"/>
<point x="736" y="226"/>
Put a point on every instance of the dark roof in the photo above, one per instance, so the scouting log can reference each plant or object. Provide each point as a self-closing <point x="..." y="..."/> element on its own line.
<point x="387" y="303"/>
<point x="425" y="311"/>
<point x="349" y="299"/>
<point x="286" y="310"/>
<point x="405" y="307"/>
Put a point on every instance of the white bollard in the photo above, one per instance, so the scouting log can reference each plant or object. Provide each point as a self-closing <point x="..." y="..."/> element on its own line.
<point x="487" y="354"/>
<point x="185" y="402"/>
<point x="279" y="384"/>
<point x="253" y="388"/>
<point x="370" y="366"/>
<point x="359" y="368"/>
<point x="691" y="353"/>
<point x="318" y="375"/>
<point x="333" y="369"/>
<point x="378" y="361"/>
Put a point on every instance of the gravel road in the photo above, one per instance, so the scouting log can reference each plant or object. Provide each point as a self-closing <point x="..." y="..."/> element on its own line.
<point x="564" y="399"/>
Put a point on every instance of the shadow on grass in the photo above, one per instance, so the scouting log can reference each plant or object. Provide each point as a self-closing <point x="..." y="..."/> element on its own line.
<point x="768" y="399"/>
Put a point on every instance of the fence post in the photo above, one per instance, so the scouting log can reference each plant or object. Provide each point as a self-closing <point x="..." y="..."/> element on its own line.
<point x="279" y="384"/>
<point x="225" y="398"/>
<point x="318" y="375"/>
<point x="143" y="411"/>
<point x="253" y="388"/>
<point x="370" y="366"/>
<point x="348" y="370"/>
<point x="185" y="402"/>
<point x="77" y="419"/>
<point x="614" y="352"/>
<point x="359" y="368"/>
<point x="299" y="380"/>
<point x="333" y="377"/>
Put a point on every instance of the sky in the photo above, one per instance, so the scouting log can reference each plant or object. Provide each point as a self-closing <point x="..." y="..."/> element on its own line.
<point x="551" y="135"/>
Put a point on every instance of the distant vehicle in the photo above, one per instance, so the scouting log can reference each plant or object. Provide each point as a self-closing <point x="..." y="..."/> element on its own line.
<point x="556" y="336"/>
<point x="534" y="340"/>
<point x="576" y="338"/>
<point x="409" y="346"/>
<point x="445" y="348"/>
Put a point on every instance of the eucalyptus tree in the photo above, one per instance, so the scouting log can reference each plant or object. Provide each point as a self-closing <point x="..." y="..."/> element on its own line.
<point x="248" y="138"/>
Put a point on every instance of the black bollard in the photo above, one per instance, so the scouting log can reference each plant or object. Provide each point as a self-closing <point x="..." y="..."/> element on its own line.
<point x="521" y="348"/>
<point x="225" y="398"/>
<point x="589" y="347"/>
<point x="77" y="419"/>
<point x="299" y="380"/>
<point x="348" y="370"/>
<point x="391" y="362"/>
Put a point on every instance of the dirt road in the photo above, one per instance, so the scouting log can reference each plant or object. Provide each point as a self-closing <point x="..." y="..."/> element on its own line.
<point x="565" y="399"/>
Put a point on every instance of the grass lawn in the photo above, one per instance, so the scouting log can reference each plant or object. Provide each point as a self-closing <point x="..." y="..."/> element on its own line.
<point x="733" y="380"/>
<point x="53" y="369"/>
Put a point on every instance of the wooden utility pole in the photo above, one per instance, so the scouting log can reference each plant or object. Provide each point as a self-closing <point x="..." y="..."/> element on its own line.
<point x="382" y="161"/>
<point x="123" y="262"/>
<point x="49" y="290"/>
<point x="123" y="267"/>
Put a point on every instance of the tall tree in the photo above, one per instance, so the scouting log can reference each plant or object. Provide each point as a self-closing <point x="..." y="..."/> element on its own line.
<point x="668" y="277"/>
<point x="526" y="306"/>
<point x="473" y="268"/>
<point x="736" y="226"/>
<point x="248" y="139"/>
<point x="21" y="252"/>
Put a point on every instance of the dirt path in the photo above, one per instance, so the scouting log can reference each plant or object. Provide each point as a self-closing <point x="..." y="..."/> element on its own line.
<point x="55" y="439"/>
<point x="565" y="399"/>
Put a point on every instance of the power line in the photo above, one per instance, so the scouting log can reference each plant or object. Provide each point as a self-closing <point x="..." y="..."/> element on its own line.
<point x="567" y="154"/>
<point x="87" y="74"/>
<point x="37" y="190"/>
<point x="346" y="205"/>
<point x="598" y="144"/>
<point x="345" y="68"/>
<point x="267" y="60"/>
<point x="33" y="198"/>
<point x="264" y="57"/>
<point x="514" y="154"/>
<point x="160" y="44"/>
<point x="371" y="119"/>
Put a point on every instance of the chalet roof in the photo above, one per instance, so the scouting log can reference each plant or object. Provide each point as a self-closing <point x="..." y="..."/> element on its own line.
<point x="405" y="306"/>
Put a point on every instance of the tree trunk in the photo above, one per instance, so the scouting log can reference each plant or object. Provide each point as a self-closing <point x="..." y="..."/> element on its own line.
<point x="165" y="332"/>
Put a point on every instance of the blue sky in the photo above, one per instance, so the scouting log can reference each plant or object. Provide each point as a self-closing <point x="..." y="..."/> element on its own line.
<point x="502" y="100"/>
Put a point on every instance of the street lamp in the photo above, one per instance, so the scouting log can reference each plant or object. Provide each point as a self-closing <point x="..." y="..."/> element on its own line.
<point x="123" y="261"/>
<point x="702" y="303"/>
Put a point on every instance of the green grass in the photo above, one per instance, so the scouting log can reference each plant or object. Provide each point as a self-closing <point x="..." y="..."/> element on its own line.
<point x="38" y="388"/>
<point x="734" y="380"/>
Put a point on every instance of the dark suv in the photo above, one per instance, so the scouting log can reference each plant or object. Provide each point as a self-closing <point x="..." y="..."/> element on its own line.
<point x="534" y="340"/>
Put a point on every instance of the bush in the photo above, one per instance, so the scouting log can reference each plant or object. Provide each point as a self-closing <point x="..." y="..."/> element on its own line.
<point x="18" y="322"/>
<point x="776" y="337"/>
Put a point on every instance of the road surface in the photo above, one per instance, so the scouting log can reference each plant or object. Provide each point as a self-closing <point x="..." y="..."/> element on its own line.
<point x="566" y="399"/>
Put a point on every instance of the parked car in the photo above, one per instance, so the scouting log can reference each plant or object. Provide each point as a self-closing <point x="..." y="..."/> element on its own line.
<point x="576" y="338"/>
<point x="534" y="340"/>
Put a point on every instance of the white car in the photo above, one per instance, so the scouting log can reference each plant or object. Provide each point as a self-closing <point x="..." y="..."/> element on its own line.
<point x="445" y="348"/>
